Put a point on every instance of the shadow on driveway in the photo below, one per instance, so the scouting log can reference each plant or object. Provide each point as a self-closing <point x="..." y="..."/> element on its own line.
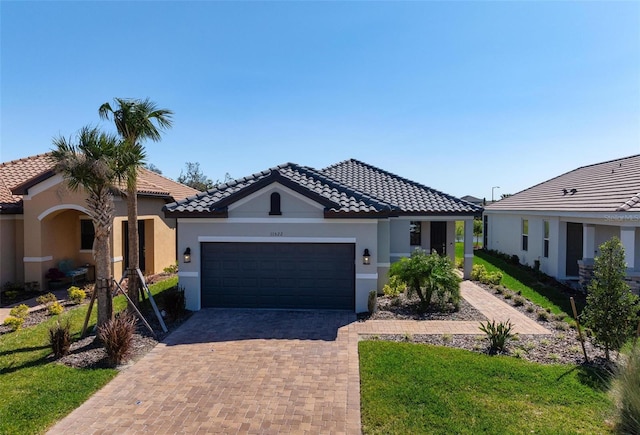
<point x="217" y="324"/>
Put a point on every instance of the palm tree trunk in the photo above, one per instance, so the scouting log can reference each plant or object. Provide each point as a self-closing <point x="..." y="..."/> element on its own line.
<point x="134" y="247"/>
<point x="102" y="210"/>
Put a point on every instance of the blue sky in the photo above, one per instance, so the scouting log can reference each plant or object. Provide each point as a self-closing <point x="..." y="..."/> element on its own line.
<point x="460" y="96"/>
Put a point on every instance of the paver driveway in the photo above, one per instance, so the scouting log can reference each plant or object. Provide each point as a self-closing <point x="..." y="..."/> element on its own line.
<point x="236" y="371"/>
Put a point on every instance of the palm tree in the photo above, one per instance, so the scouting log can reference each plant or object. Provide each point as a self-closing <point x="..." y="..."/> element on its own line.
<point x="91" y="164"/>
<point x="135" y="121"/>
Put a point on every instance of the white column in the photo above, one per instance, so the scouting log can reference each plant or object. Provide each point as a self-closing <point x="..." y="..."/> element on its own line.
<point x="628" y="239"/>
<point x="468" y="248"/>
<point x="588" y="241"/>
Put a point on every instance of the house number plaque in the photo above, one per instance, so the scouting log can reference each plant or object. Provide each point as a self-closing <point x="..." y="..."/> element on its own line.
<point x="277" y="233"/>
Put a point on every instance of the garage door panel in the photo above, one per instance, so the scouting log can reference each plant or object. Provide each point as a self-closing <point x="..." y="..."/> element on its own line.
<point x="278" y="275"/>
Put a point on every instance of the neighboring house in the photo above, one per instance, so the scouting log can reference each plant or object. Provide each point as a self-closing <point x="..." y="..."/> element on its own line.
<point x="562" y="222"/>
<point x="296" y="237"/>
<point x="42" y="222"/>
<point x="473" y="200"/>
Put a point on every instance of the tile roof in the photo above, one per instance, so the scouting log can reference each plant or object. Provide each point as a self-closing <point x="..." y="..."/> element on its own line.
<point x="612" y="186"/>
<point x="333" y="188"/>
<point x="403" y="195"/>
<point x="29" y="171"/>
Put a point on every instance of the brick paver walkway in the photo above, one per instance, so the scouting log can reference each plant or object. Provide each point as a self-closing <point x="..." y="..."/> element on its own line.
<point x="490" y="306"/>
<point x="236" y="371"/>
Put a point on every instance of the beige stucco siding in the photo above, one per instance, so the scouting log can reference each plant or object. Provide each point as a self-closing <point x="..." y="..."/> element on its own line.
<point x="51" y="219"/>
<point x="11" y="240"/>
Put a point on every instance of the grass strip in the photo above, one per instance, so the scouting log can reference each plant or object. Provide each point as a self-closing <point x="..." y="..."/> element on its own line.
<point x="413" y="388"/>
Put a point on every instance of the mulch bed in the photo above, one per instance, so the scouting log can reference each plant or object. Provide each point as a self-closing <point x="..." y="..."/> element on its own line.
<point x="561" y="346"/>
<point x="88" y="351"/>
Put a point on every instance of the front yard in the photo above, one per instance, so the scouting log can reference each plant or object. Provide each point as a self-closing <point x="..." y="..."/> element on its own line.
<point x="410" y="388"/>
<point x="35" y="390"/>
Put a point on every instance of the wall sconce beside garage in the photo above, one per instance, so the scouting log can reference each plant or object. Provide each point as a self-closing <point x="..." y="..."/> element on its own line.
<point x="186" y="257"/>
<point x="366" y="257"/>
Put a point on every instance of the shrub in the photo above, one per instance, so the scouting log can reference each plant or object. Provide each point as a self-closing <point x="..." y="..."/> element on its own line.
<point x="561" y="326"/>
<point x="372" y="302"/>
<point x="447" y="338"/>
<point x="394" y="287"/>
<point x="14" y="323"/>
<point x="530" y="308"/>
<point x="543" y="315"/>
<point x="21" y="311"/>
<point x="518" y="353"/>
<point x="171" y="269"/>
<point x="627" y="394"/>
<point x="480" y="273"/>
<point x="428" y="275"/>
<point x="174" y="303"/>
<point x="55" y="308"/>
<point x="515" y="260"/>
<point x="117" y="337"/>
<point x="518" y="301"/>
<point x="76" y="295"/>
<point x="497" y="334"/>
<point x="46" y="299"/>
<point x="60" y="339"/>
<point x="507" y="295"/>
<point x="477" y="271"/>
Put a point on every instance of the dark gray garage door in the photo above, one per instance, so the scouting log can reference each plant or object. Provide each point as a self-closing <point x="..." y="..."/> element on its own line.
<point x="278" y="275"/>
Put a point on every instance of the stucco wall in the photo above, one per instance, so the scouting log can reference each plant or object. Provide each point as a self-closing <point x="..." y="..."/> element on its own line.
<point x="11" y="240"/>
<point x="195" y="231"/>
<point x="52" y="215"/>
<point x="505" y="235"/>
<point x="292" y="204"/>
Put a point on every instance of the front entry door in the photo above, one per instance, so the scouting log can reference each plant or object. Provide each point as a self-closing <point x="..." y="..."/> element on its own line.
<point x="574" y="248"/>
<point x="125" y="232"/>
<point x="439" y="238"/>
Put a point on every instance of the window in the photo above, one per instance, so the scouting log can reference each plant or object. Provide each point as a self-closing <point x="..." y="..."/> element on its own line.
<point x="415" y="233"/>
<point x="87" y="234"/>
<point x="545" y="247"/>
<point x="525" y="234"/>
<point x="275" y="204"/>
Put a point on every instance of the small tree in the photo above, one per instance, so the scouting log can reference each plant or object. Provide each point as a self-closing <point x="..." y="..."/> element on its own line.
<point x="477" y="229"/>
<point x="428" y="275"/>
<point x="153" y="168"/>
<point x="195" y="177"/>
<point x="611" y="311"/>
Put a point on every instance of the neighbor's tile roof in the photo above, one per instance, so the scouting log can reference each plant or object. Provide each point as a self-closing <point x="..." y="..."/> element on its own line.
<point x="17" y="172"/>
<point x="603" y="187"/>
<point x="29" y="169"/>
<point x="401" y="194"/>
<point x="342" y="195"/>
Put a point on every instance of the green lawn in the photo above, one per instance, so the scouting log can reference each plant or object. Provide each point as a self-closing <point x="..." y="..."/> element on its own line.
<point x="411" y="388"/>
<point x="34" y="393"/>
<point x="520" y="280"/>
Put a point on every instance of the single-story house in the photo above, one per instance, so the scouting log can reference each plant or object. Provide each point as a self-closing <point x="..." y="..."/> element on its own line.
<point x="560" y="223"/>
<point x="296" y="237"/>
<point x="43" y="223"/>
<point x="473" y="200"/>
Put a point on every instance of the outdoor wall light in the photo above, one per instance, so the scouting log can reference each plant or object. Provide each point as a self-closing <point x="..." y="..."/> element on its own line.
<point x="187" y="255"/>
<point x="366" y="257"/>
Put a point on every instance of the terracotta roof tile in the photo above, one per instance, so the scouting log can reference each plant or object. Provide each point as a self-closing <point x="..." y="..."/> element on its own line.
<point x="16" y="172"/>
<point x="603" y="187"/>
<point x="19" y="172"/>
